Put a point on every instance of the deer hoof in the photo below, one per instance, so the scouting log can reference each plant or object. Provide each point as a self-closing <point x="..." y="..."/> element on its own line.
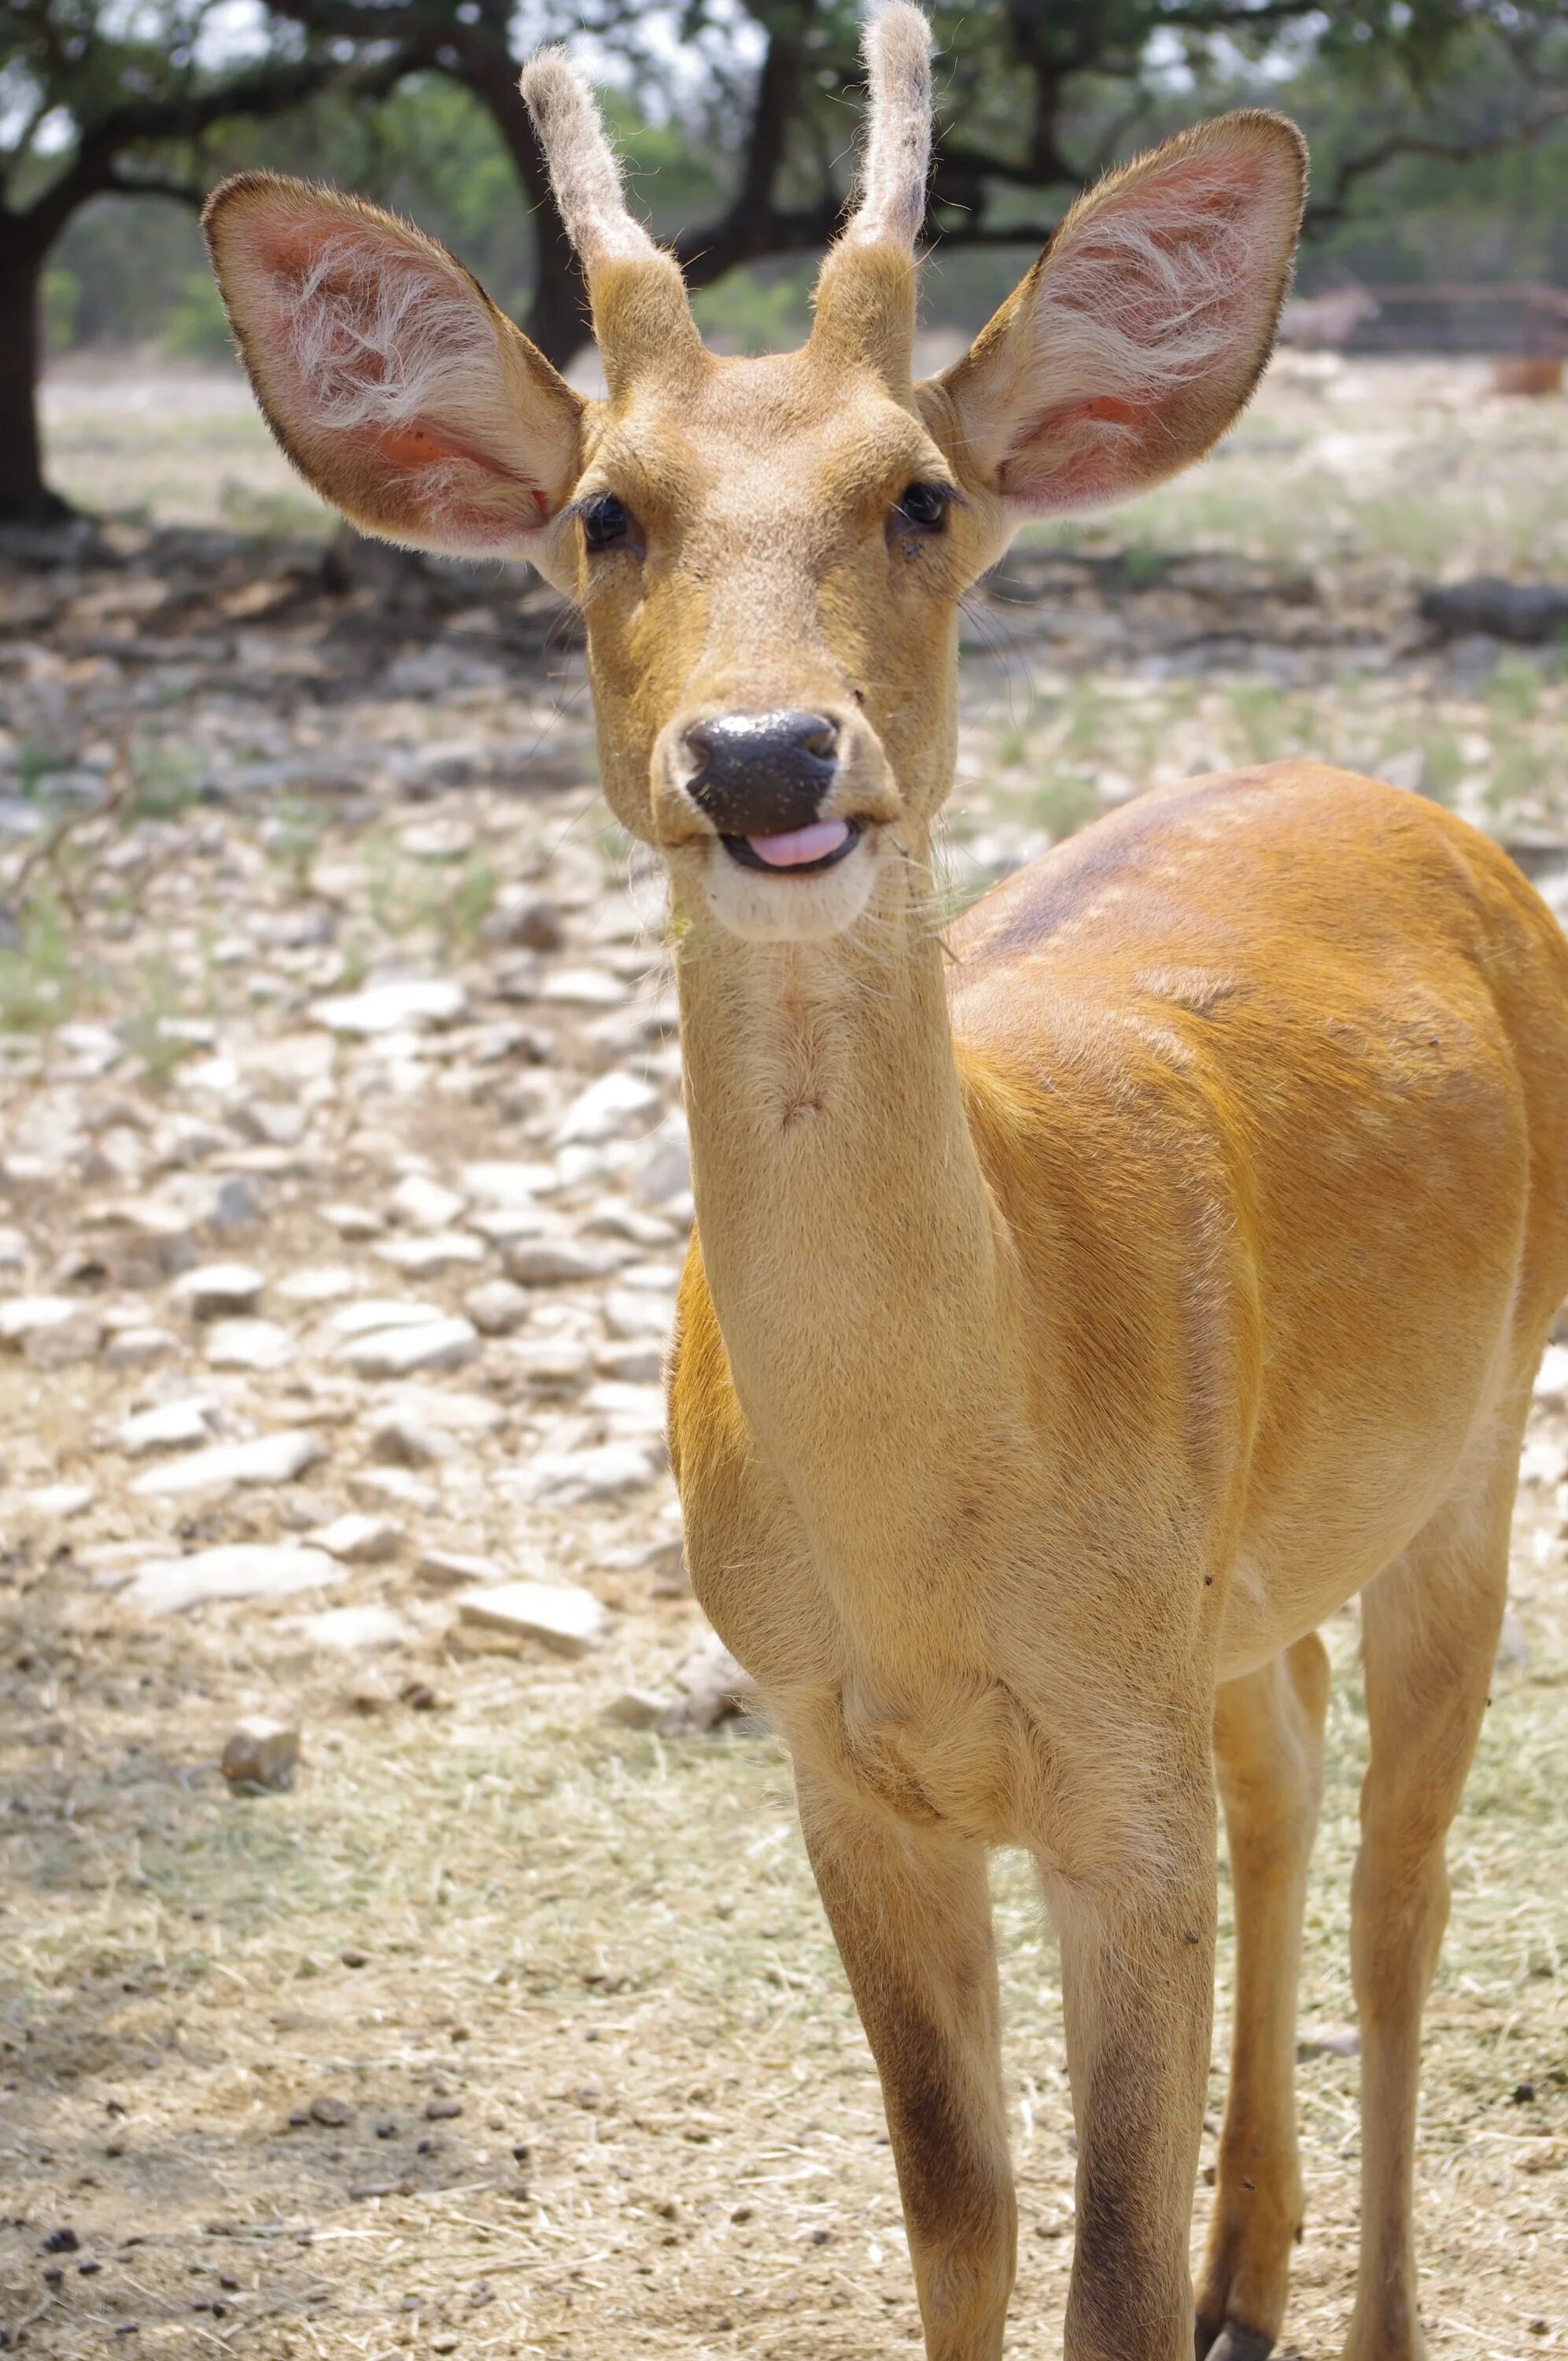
<point x="1231" y="2342"/>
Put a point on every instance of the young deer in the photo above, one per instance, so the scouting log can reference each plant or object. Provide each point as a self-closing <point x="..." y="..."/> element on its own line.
<point x="1086" y="1310"/>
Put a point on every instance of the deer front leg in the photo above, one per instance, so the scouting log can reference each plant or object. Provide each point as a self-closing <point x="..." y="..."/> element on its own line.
<point x="911" y="1913"/>
<point x="1137" y="1946"/>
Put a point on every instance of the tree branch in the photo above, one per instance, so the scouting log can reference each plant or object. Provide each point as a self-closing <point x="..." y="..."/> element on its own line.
<point x="1352" y="169"/>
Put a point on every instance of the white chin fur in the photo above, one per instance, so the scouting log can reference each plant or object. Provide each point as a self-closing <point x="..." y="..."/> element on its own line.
<point x="789" y="909"/>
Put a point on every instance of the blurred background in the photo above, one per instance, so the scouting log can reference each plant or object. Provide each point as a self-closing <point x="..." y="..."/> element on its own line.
<point x="405" y="1939"/>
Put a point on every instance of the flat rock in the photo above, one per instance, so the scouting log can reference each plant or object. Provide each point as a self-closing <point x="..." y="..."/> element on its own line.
<point x="566" y="1478"/>
<point x="639" y="1708"/>
<point x="242" y="1570"/>
<point x="353" y="1628"/>
<point x="508" y="1184"/>
<point x="61" y="1501"/>
<point x="359" y="1539"/>
<point x="402" y="1439"/>
<point x="352" y="1222"/>
<point x="563" y="1615"/>
<point x="215" y="1290"/>
<point x="497" y="1306"/>
<point x="440" y="1343"/>
<point x="262" y="1753"/>
<point x="374" y="1312"/>
<point x="1551" y="1377"/>
<point x="630" y="1312"/>
<point x="583" y="987"/>
<point x="398" y="1487"/>
<point x="427" y="1256"/>
<point x="617" y="1106"/>
<point x="249" y="1344"/>
<point x="406" y="1006"/>
<point x="524" y="920"/>
<point x="555" y="1262"/>
<point x="318" y="1283"/>
<point x="139" y="1349"/>
<point x="51" y="1332"/>
<point x="170" y="1426"/>
<point x="279" y="1458"/>
<point x="453" y="1569"/>
<point x="425" y="1204"/>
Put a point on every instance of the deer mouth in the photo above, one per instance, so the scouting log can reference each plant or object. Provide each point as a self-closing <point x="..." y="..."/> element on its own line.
<point x="797" y="852"/>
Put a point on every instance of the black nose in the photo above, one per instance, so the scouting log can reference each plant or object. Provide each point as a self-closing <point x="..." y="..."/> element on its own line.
<point x="759" y="774"/>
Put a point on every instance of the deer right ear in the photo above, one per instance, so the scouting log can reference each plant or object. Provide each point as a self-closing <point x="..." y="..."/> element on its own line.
<point x="390" y="379"/>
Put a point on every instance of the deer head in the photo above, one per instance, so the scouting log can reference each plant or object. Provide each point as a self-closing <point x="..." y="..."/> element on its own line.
<point x="768" y="553"/>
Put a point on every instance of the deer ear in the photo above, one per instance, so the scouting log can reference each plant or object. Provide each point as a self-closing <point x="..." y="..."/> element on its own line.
<point x="387" y="374"/>
<point x="1143" y="328"/>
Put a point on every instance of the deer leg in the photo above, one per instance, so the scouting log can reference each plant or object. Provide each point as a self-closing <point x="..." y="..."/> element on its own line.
<point x="1138" y="1954"/>
<point x="1268" y="1750"/>
<point x="1430" y="1624"/>
<point x="912" y="1918"/>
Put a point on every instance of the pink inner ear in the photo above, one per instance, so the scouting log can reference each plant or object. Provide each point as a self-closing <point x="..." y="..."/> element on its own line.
<point x="1090" y="469"/>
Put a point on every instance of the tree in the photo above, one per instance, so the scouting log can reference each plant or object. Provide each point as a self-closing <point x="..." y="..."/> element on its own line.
<point x="94" y="99"/>
<point x="1037" y="97"/>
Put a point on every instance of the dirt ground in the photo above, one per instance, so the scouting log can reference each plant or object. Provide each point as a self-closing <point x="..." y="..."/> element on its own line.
<point x="509" y="2027"/>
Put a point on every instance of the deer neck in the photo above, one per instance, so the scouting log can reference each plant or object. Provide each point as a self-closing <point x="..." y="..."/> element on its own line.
<point x="847" y="1237"/>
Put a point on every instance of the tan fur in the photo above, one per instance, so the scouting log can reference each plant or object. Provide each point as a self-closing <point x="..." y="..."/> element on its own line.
<point x="1084" y="1311"/>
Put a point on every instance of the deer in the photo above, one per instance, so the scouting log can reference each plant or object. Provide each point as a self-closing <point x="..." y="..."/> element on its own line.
<point x="1085" y="1301"/>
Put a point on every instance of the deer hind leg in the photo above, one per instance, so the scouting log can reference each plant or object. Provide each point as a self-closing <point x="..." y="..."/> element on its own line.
<point x="912" y="1916"/>
<point x="1269" y="1749"/>
<point x="1430" y="1626"/>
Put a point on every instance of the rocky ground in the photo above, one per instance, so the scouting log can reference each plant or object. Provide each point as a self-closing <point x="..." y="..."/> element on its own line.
<point x="405" y="1941"/>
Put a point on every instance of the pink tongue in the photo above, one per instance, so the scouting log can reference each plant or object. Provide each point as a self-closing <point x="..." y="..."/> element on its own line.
<point x="797" y="845"/>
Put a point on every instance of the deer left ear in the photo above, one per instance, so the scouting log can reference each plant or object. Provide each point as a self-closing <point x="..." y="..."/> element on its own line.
<point x="1142" y="329"/>
<point x="387" y="374"/>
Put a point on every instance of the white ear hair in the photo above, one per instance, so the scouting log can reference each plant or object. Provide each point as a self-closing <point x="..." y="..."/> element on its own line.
<point x="583" y="170"/>
<point x="898" y="161"/>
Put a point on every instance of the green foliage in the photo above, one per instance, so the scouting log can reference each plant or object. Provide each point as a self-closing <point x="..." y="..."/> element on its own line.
<point x="196" y="329"/>
<point x="62" y="304"/>
<point x="757" y="310"/>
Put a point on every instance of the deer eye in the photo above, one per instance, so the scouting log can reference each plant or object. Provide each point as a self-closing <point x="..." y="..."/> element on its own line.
<point x="606" y="522"/>
<point x="922" y="506"/>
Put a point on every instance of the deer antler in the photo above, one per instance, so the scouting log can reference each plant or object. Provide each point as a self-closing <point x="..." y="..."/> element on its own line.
<point x="583" y="172"/>
<point x="641" y="316"/>
<point x="897" y="157"/>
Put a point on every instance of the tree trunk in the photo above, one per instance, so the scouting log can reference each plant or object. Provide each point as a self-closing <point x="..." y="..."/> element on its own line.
<point x="24" y="498"/>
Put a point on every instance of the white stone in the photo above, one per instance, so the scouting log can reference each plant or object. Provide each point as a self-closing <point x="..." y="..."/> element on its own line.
<point x="317" y="1283"/>
<point x="352" y="1222"/>
<point x="583" y="987"/>
<point x="139" y="1349"/>
<point x="171" y="1426"/>
<point x="563" y="1615"/>
<point x="564" y="1479"/>
<point x="557" y="1261"/>
<point x="402" y="1440"/>
<point x="663" y="1171"/>
<point x="451" y="1570"/>
<point x="451" y="1412"/>
<point x="497" y="1307"/>
<point x="631" y="1409"/>
<point x="1551" y="1379"/>
<point x="406" y="1006"/>
<point x="279" y="1458"/>
<point x="14" y="1249"/>
<point x="355" y="1628"/>
<point x="628" y="1313"/>
<point x="379" y="1312"/>
<point x="29" y="1316"/>
<point x="215" y="1290"/>
<point x="60" y="1501"/>
<point x="425" y="1257"/>
<point x="442" y="1344"/>
<point x="359" y="1539"/>
<point x="508" y="1184"/>
<point x="261" y="1752"/>
<point x="244" y="1570"/>
<point x="425" y="1203"/>
<point x="1543" y="1460"/>
<point x="378" y="1487"/>
<point x="249" y="1344"/>
<point x="617" y="1106"/>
